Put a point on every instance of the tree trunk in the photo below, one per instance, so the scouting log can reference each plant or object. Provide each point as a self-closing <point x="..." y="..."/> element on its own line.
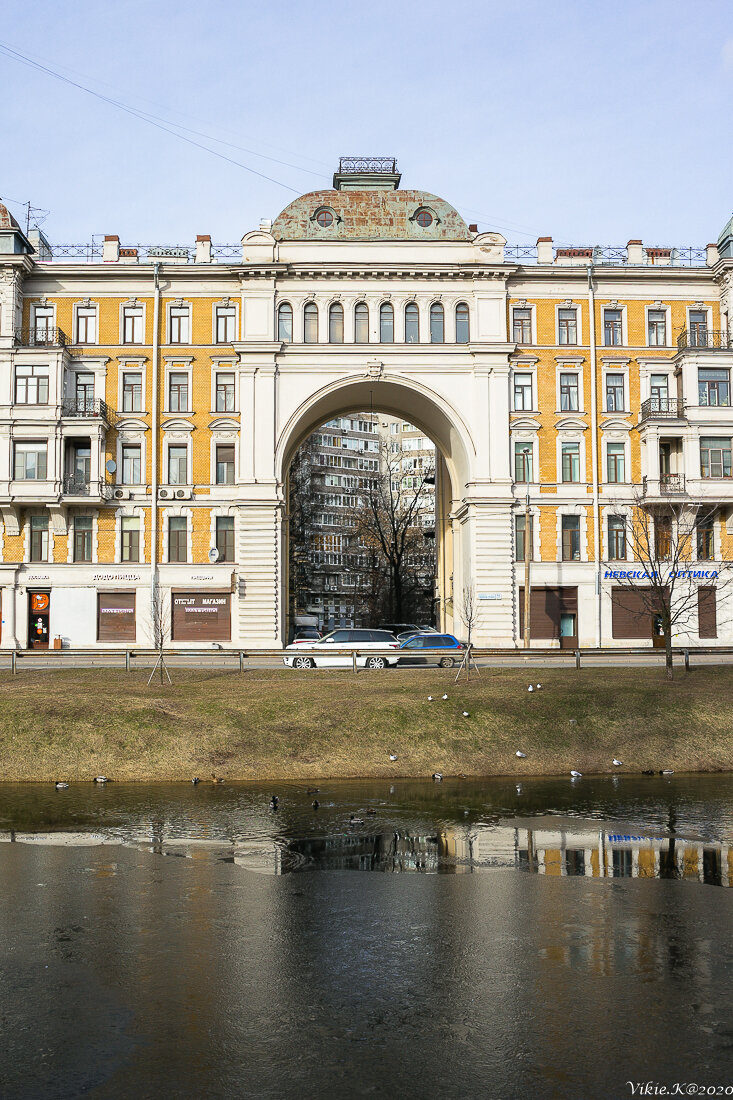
<point x="397" y="589"/>
<point x="668" y="652"/>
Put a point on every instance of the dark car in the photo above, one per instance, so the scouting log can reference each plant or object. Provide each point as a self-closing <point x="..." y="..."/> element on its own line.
<point x="410" y="650"/>
<point x="307" y="634"/>
<point x="400" y="628"/>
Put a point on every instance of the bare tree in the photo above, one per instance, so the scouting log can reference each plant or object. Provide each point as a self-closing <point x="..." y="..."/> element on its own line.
<point x="675" y="564"/>
<point x="159" y="628"/>
<point x="468" y="611"/>
<point x="390" y="521"/>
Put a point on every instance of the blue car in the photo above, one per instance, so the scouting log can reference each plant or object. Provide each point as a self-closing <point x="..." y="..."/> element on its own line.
<point x="411" y="647"/>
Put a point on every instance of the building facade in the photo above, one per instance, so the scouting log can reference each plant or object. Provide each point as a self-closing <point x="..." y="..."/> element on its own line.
<point x="152" y="399"/>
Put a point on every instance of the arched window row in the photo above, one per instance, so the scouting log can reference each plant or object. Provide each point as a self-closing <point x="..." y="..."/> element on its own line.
<point x="361" y="323"/>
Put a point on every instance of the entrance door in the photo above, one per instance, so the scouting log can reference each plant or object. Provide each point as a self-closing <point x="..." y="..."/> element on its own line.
<point x="39" y="608"/>
<point x="568" y="630"/>
<point x="79" y="468"/>
<point x="657" y="632"/>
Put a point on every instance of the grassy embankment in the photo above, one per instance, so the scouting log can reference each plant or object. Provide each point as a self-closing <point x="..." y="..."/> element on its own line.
<point x="278" y="724"/>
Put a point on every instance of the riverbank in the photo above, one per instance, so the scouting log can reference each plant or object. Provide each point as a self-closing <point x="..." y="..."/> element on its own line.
<point x="279" y="724"/>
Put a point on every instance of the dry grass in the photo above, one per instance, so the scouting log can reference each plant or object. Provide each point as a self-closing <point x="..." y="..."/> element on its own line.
<point x="282" y="724"/>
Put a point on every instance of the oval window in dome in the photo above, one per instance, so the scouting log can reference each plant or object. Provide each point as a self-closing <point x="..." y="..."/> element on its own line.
<point x="324" y="218"/>
<point x="424" y="218"/>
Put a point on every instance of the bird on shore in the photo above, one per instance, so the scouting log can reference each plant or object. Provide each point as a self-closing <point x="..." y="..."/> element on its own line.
<point x="576" y="775"/>
<point x="195" y="780"/>
<point x="356" y="820"/>
<point x="274" y="802"/>
<point x="216" y="778"/>
<point x="617" y="763"/>
<point x="100" y="779"/>
<point x="445" y="697"/>
<point x="393" y="757"/>
<point x="438" y="777"/>
<point x="667" y="771"/>
<point x="539" y="687"/>
<point x="316" y="803"/>
<point x="60" y="785"/>
<point x="530" y="688"/>
<point x="521" y="755"/>
<point x="466" y="714"/>
<point x="430" y="698"/>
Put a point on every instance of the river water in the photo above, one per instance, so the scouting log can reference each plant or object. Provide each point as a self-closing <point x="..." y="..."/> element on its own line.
<point x="548" y="939"/>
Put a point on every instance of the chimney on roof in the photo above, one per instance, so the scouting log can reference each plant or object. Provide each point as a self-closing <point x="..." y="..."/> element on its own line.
<point x="634" y="252"/>
<point x="203" y="249"/>
<point x="473" y="227"/>
<point x="544" y="250"/>
<point x="111" y="249"/>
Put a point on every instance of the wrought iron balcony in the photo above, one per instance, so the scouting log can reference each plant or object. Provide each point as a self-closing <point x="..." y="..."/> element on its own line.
<point x="40" y="336"/>
<point x="662" y="408"/>
<point x="76" y="485"/>
<point x="89" y="408"/>
<point x="706" y="338"/>
<point x="383" y="165"/>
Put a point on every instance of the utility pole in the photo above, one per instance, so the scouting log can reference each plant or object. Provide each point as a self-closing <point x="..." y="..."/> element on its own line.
<point x="527" y="549"/>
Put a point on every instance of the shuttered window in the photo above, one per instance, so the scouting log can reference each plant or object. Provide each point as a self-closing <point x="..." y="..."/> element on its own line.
<point x="546" y="606"/>
<point x="707" y="612"/>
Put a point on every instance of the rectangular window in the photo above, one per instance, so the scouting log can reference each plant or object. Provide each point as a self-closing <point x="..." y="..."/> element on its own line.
<point x="615" y="462"/>
<point x="614" y="393"/>
<point x="571" y="462"/>
<point x="178" y="391"/>
<point x="225" y="537"/>
<point x="85" y="391"/>
<point x="43" y="324"/>
<point x="698" y="334"/>
<point x="82" y="538"/>
<point x="39" y="538"/>
<point x="567" y="323"/>
<point x="177" y="539"/>
<point x="523" y="462"/>
<point x="132" y="325"/>
<point x="130" y="538"/>
<point x="715" y="457"/>
<point x="519" y="528"/>
<point x="225" y="464"/>
<point x="569" y="392"/>
<point x="226" y="322"/>
<point x="616" y="538"/>
<point x="522" y="326"/>
<point x="132" y="391"/>
<point x="86" y="325"/>
<point x="178" y="464"/>
<point x="571" y="538"/>
<point x="179" y="325"/>
<point x="612" y="335"/>
<point x="30" y="461"/>
<point x="659" y="392"/>
<point x="705" y="540"/>
<point x="713" y="387"/>
<point x="225" y="392"/>
<point x="522" y="391"/>
<point x="662" y="538"/>
<point x="131" y="464"/>
<point x="657" y="328"/>
<point x="31" y="385"/>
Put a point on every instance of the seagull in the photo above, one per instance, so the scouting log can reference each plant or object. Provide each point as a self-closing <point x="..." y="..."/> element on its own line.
<point x="617" y="763"/>
<point x="521" y="755"/>
<point x="430" y="698"/>
<point x="437" y="776"/>
<point x="61" y="786"/>
<point x="393" y="757"/>
<point x="576" y="775"/>
<point x="445" y="696"/>
<point x="530" y="688"/>
<point x="195" y="780"/>
<point x="539" y="687"/>
<point x="273" y="802"/>
<point x="101" y="779"/>
<point x="316" y="803"/>
<point x="466" y="714"/>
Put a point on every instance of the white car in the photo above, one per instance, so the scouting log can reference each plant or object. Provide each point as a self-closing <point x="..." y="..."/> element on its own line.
<point x="317" y="655"/>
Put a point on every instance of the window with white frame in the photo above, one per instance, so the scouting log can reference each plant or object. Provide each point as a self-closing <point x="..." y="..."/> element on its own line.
<point x="437" y="323"/>
<point x="522" y="325"/>
<point x="570" y="461"/>
<point x="697" y="336"/>
<point x="657" y="328"/>
<point x="39" y="538"/>
<point x="386" y="323"/>
<point x="570" y="538"/>
<point x="615" y="393"/>
<point x="310" y="323"/>
<point x="86" y="325"/>
<point x="132" y="391"/>
<point x="715" y="456"/>
<point x="131" y="465"/>
<point x="43" y="317"/>
<point x="523" y="461"/>
<point x="285" y="322"/>
<point x="177" y="464"/>
<point x="179" y="326"/>
<point x="83" y="527"/>
<point x="462" y="323"/>
<point x="224" y="463"/>
<point x="336" y="323"/>
<point x="30" y="461"/>
<point x="130" y="538"/>
<point x="178" y="391"/>
<point x="616" y="538"/>
<point x="522" y="391"/>
<point x="31" y="385"/>
<point x="567" y="326"/>
<point x="225" y="537"/>
<point x="569" y="391"/>
<point x="132" y="324"/>
<point x="177" y="539"/>
<point x="659" y="392"/>
<point x="361" y="323"/>
<point x="226" y="324"/>
<point x="520" y="525"/>
<point x="412" y="323"/>
<point x="713" y="386"/>
<point x="612" y="327"/>
<point x="615" y="463"/>
<point x="84" y="391"/>
<point x="225" y="391"/>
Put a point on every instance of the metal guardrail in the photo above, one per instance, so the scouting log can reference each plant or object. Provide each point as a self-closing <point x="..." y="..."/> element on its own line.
<point x="687" y="256"/>
<point x="707" y="339"/>
<point x="89" y="407"/>
<point x="662" y="408"/>
<point x="42" y="337"/>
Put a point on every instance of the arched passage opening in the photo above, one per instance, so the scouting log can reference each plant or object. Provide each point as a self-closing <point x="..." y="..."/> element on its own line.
<point x="428" y="415"/>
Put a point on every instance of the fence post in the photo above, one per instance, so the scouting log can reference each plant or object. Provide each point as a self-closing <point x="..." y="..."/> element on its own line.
<point x="353" y="659"/>
<point x="687" y="660"/>
<point x="13" y="662"/>
<point x="577" y="658"/>
<point x="241" y="662"/>
<point x="127" y="660"/>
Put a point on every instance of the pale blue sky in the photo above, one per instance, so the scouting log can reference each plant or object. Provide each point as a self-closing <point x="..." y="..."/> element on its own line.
<point x="588" y="122"/>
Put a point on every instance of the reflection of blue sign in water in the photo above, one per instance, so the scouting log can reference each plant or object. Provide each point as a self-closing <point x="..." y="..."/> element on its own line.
<point x="643" y="574"/>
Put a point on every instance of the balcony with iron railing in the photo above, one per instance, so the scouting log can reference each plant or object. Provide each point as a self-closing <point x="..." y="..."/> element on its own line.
<point x="662" y="408"/>
<point x="668" y="485"/>
<point x="76" y="485"/>
<point x="705" y="339"/>
<point x="42" y="336"/>
<point x="87" y="408"/>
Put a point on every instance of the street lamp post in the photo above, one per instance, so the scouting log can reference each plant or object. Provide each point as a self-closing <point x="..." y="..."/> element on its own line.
<point x="527" y="550"/>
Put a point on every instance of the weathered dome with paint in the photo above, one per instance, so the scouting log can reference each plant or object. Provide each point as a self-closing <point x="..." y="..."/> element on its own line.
<point x="7" y="221"/>
<point x="365" y="204"/>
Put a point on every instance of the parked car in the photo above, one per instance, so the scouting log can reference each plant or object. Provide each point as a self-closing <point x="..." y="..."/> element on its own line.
<point x="400" y="628"/>
<point x="306" y="634"/>
<point x="411" y="647"/>
<point x="310" y="654"/>
<point x="407" y="634"/>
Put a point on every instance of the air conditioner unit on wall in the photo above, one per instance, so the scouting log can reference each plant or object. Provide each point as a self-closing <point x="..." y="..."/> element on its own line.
<point x="163" y="493"/>
<point x="183" y="494"/>
<point x="122" y="494"/>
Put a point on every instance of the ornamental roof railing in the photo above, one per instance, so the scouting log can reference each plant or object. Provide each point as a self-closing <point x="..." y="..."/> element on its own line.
<point x="356" y="165"/>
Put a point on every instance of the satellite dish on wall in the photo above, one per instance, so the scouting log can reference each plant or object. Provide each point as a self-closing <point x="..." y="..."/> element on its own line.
<point x="213" y="554"/>
<point x="110" y="465"/>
